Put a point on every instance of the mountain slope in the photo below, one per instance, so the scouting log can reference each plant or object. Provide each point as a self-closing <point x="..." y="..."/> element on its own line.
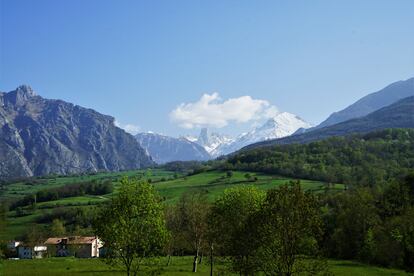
<point x="372" y="102"/>
<point x="40" y="136"/>
<point x="282" y="125"/>
<point x="164" y="149"/>
<point x="397" y="115"/>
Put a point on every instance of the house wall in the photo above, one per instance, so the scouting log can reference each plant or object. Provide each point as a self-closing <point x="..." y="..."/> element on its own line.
<point x="95" y="249"/>
<point x="83" y="251"/>
<point x="77" y="250"/>
<point x="24" y="252"/>
<point x="39" y="254"/>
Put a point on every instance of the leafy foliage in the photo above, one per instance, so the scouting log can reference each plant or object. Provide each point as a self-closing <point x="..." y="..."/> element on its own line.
<point x="189" y="224"/>
<point x="370" y="226"/>
<point x="363" y="160"/>
<point x="230" y="225"/>
<point x="132" y="225"/>
<point x="288" y="229"/>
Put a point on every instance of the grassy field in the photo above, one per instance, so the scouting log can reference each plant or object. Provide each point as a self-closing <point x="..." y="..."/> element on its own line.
<point x="22" y="188"/>
<point x="215" y="182"/>
<point x="179" y="266"/>
<point x="170" y="187"/>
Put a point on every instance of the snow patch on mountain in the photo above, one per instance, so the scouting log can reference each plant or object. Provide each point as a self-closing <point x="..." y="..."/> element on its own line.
<point x="282" y="125"/>
<point x="165" y="149"/>
<point x="211" y="141"/>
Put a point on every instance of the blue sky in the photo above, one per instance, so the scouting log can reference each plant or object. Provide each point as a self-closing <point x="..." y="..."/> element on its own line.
<point x="139" y="60"/>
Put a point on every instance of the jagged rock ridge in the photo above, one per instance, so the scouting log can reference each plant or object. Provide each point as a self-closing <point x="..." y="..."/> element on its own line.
<point x="40" y="136"/>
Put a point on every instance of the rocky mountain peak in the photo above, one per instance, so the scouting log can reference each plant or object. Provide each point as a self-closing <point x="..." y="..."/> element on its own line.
<point x="204" y="136"/>
<point x="165" y="149"/>
<point x="20" y="95"/>
<point x="40" y="136"/>
<point x="26" y="90"/>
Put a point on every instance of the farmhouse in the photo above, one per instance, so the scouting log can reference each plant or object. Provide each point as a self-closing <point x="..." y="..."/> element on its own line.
<point x="77" y="246"/>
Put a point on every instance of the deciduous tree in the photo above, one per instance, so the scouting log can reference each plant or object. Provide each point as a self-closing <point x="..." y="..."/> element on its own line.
<point x="132" y="225"/>
<point x="230" y="225"/>
<point x="288" y="228"/>
<point x="191" y="214"/>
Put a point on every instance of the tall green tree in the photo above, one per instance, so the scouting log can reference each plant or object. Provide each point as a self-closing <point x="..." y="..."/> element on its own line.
<point x="57" y="228"/>
<point x="132" y="225"/>
<point x="191" y="224"/>
<point x="404" y="234"/>
<point x="288" y="229"/>
<point x="34" y="235"/>
<point x="230" y="226"/>
<point x="355" y="216"/>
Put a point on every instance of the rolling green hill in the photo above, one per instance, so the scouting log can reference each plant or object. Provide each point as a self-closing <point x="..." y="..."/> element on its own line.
<point x="170" y="186"/>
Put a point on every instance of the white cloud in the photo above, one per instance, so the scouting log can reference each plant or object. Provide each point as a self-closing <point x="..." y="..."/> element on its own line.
<point x="212" y="111"/>
<point x="130" y="128"/>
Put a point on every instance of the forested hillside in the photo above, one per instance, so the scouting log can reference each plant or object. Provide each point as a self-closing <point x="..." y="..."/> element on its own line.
<point x="366" y="160"/>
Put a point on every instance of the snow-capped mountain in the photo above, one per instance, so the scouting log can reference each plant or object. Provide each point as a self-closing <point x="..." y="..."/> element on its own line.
<point x="212" y="141"/>
<point x="164" y="149"/>
<point x="282" y="125"/>
<point x="190" y="138"/>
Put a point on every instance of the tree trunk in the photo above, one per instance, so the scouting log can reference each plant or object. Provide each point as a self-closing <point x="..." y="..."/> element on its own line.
<point x="169" y="260"/>
<point x="201" y="258"/>
<point x="211" y="260"/>
<point x="195" y="261"/>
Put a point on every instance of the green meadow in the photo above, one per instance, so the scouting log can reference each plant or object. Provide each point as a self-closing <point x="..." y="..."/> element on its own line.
<point x="169" y="185"/>
<point x="179" y="266"/>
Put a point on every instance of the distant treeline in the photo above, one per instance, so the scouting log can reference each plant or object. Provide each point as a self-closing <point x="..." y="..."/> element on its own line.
<point x="68" y="190"/>
<point x="363" y="160"/>
<point x="76" y="216"/>
<point x="189" y="167"/>
<point x="34" y="180"/>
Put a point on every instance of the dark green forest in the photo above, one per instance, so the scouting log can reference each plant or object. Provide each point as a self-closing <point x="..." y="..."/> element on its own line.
<point x="364" y="160"/>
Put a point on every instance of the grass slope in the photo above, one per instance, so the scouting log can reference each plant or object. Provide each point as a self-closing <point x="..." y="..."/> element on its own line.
<point x="22" y="188"/>
<point x="170" y="189"/>
<point x="215" y="182"/>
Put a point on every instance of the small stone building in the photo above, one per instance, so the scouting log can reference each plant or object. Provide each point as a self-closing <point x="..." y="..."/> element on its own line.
<point x="77" y="246"/>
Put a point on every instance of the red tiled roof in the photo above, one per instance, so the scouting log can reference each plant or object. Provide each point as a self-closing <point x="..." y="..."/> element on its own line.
<point x="71" y="240"/>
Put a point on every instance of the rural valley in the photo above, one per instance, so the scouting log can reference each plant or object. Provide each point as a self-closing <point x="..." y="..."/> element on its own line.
<point x="206" y="138"/>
